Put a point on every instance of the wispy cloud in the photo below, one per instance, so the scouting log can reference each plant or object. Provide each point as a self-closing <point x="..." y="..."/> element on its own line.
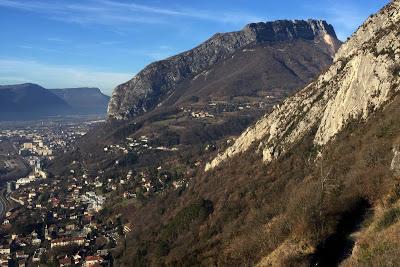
<point x="81" y="49"/>
<point x="25" y="46"/>
<point x="152" y="53"/>
<point x="111" y="12"/>
<point x="56" y="76"/>
<point x="226" y="17"/>
<point x="42" y="49"/>
<point x="31" y="5"/>
<point x="56" y="39"/>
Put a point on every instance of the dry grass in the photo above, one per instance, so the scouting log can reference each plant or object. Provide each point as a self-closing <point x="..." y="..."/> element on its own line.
<point x="247" y="195"/>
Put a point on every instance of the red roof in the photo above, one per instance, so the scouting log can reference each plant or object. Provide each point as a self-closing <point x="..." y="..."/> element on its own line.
<point x="93" y="258"/>
<point x="65" y="261"/>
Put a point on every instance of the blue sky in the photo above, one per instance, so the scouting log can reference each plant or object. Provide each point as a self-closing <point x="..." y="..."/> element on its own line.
<point x="102" y="43"/>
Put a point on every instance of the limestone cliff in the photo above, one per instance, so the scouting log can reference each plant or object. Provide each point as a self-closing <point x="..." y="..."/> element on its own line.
<point x="159" y="80"/>
<point x="363" y="78"/>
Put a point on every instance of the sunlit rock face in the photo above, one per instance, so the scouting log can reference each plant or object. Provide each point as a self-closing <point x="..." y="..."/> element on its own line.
<point x="159" y="80"/>
<point x="362" y="79"/>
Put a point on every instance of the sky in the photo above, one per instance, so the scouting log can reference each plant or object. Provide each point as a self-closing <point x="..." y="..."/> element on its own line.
<point x="103" y="43"/>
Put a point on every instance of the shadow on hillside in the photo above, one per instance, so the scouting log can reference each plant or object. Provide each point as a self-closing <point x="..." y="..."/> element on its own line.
<point x="337" y="247"/>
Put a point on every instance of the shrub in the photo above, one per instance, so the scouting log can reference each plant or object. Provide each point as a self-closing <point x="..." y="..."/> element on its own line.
<point x="394" y="194"/>
<point x="389" y="218"/>
<point x="199" y="210"/>
<point x="130" y="159"/>
<point x="370" y="255"/>
<point x="194" y="99"/>
<point x="395" y="69"/>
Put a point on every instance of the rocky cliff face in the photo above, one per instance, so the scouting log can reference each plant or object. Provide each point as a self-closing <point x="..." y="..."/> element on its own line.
<point x="159" y="80"/>
<point x="362" y="79"/>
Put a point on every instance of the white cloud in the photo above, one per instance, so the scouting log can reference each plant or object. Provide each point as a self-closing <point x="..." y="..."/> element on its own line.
<point x="225" y="17"/>
<point x="43" y="49"/>
<point x="14" y="71"/>
<point x="55" y="39"/>
<point x="31" y="5"/>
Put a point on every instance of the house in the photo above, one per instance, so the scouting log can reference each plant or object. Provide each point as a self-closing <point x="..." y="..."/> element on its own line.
<point x="77" y="258"/>
<point x="27" y="145"/>
<point x="70" y="227"/>
<point x="92" y="261"/>
<point x="102" y="252"/>
<point x="21" y="263"/>
<point x="127" y="228"/>
<point x="21" y="255"/>
<point x="67" y="241"/>
<point x="65" y="262"/>
<point x="5" y="250"/>
<point x="38" y="254"/>
<point x="36" y="242"/>
<point x="4" y="260"/>
<point x="25" y="180"/>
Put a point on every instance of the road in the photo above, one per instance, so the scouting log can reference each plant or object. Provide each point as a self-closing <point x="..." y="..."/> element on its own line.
<point x="9" y="156"/>
<point x="3" y="204"/>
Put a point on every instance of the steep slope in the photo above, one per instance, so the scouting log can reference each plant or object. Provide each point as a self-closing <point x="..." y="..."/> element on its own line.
<point x="188" y="73"/>
<point x="309" y="184"/>
<point x="84" y="100"/>
<point x="223" y="96"/>
<point x="29" y="101"/>
<point x="363" y="77"/>
<point x="169" y="134"/>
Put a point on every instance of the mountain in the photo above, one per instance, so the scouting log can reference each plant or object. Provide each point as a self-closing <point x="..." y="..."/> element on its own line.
<point x="362" y="79"/>
<point x="29" y="101"/>
<point x="84" y="100"/>
<point x="214" y="91"/>
<point x="224" y="85"/>
<point x="169" y="119"/>
<point x="313" y="183"/>
<point x="247" y="63"/>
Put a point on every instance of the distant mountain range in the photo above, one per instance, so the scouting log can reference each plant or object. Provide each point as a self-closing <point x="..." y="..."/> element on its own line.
<point x="31" y="101"/>
<point x="84" y="100"/>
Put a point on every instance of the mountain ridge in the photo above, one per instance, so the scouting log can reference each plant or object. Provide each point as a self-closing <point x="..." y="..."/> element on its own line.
<point x="315" y="182"/>
<point x="29" y="100"/>
<point x="159" y="80"/>
<point x="370" y="50"/>
<point x="32" y="101"/>
<point x="84" y="100"/>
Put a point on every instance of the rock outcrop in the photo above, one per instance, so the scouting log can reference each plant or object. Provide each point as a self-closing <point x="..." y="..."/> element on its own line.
<point x="159" y="80"/>
<point x="395" y="164"/>
<point x="362" y="79"/>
